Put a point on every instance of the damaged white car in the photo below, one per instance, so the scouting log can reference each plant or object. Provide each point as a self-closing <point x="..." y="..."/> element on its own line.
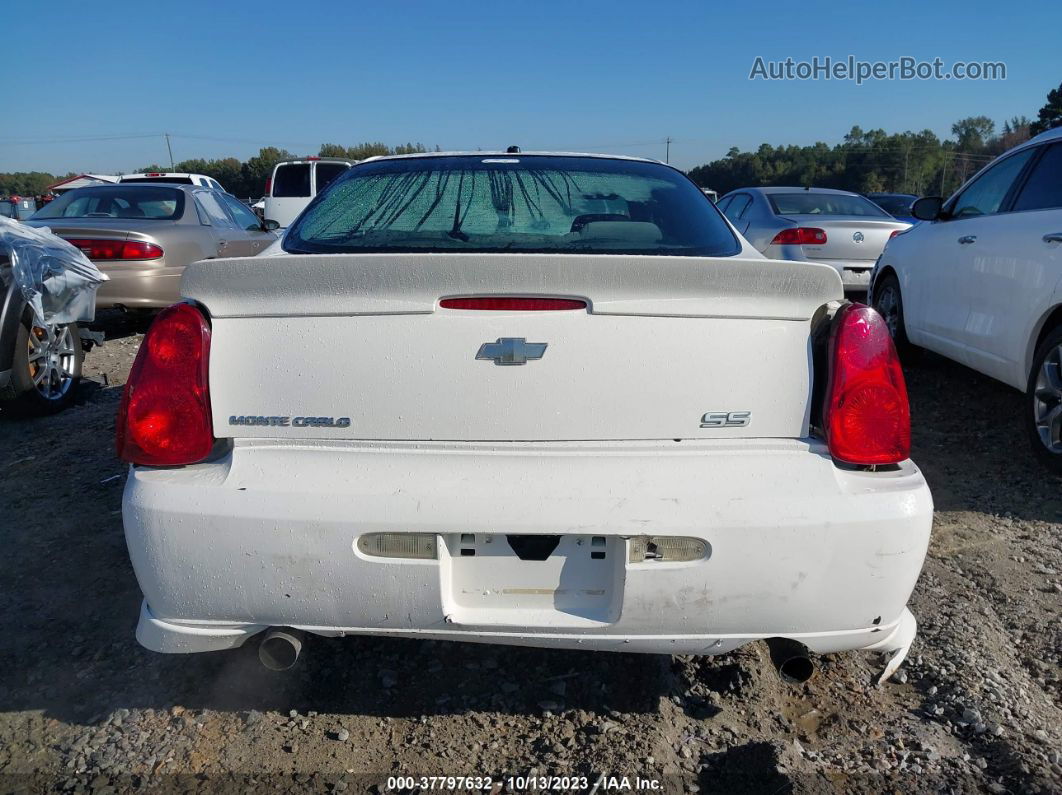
<point x="548" y="400"/>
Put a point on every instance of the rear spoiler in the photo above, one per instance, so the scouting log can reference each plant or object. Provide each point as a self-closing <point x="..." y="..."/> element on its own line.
<point x="387" y="284"/>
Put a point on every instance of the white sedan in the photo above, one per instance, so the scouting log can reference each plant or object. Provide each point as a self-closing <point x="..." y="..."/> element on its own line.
<point x="550" y="400"/>
<point x="981" y="282"/>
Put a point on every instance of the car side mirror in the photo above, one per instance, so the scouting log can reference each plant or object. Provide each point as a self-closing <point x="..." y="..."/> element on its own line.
<point x="927" y="208"/>
<point x="270" y="225"/>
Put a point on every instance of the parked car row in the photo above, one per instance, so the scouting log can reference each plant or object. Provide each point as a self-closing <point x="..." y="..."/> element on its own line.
<point x="988" y="297"/>
<point x="541" y="281"/>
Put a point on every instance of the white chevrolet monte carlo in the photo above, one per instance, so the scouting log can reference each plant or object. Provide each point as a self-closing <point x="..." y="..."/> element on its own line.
<point x="981" y="282"/>
<point x="537" y="399"/>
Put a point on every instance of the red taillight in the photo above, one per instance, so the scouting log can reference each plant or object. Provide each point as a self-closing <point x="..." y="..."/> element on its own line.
<point x="800" y="236"/>
<point x="269" y="186"/>
<point x="164" y="417"/>
<point x="866" y="416"/>
<point x="116" y="249"/>
<point x="895" y="232"/>
<point x="134" y="249"/>
<point x="512" y="304"/>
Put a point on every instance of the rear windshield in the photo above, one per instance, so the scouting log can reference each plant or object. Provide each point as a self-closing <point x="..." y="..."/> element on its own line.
<point x="894" y="205"/>
<point x="512" y="204"/>
<point x="157" y="180"/>
<point x="823" y="204"/>
<point x="116" y="201"/>
<point x="326" y="172"/>
<point x="292" y="180"/>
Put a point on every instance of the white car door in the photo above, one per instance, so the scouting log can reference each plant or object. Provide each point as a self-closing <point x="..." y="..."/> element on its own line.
<point x="946" y="275"/>
<point x="1016" y="262"/>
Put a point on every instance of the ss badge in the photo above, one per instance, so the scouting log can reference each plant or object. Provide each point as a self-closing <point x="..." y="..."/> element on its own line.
<point x="726" y="419"/>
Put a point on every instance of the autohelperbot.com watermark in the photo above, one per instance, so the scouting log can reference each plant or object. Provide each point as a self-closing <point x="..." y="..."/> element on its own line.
<point x="851" y="68"/>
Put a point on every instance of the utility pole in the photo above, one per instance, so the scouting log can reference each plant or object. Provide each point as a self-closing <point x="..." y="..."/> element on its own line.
<point x="943" y="171"/>
<point x="667" y="152"/>
<point x="170" y="150"/>
<point x="906" y="156"/>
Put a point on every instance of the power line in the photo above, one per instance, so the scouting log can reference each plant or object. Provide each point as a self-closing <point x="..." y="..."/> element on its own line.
<point x="77" y="139"/>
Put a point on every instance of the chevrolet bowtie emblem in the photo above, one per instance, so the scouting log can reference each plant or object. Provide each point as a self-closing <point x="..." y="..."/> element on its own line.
<point x="511" y="350"/>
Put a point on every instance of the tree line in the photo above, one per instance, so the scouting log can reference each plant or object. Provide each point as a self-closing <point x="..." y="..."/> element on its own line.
<point x="873" y="160"/>
<point x="870" y="160"/>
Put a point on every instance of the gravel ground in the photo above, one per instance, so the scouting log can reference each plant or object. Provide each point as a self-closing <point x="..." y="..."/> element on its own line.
<point x="977" y="707"/>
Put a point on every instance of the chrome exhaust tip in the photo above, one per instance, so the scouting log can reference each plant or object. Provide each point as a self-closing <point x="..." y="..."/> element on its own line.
<point x="280" y="649"/>
<point x="791" y="659"/>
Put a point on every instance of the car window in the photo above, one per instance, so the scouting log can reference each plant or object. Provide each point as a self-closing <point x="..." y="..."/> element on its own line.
<point x="723" y="203"/>
<point x="210" y="204"/>
<point x="116" y="201"/>
<point x="326" y="172"/>
<point x="894" y="205"/>
<point x="737" y="207"/>
<point x="811" y="203"/>
<point x="512" y="204"/>
<point x="985" y="195"/>
<point x="7" y="209"/>
<point x="1043" y="189"/>
<point x="291" y="180"/>
<point x="242" y="213"/>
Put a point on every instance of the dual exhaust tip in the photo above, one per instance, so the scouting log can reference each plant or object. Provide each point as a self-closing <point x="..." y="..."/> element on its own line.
<point x="279" y="650"/>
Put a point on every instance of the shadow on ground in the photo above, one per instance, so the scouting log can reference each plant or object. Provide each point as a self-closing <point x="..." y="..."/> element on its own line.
<point x="966" y="430"/>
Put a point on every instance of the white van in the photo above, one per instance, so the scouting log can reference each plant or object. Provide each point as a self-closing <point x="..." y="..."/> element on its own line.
<point x="295" y="182"/>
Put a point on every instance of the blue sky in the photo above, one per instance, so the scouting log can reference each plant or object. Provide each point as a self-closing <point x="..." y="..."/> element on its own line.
<point x="620" y="76"/>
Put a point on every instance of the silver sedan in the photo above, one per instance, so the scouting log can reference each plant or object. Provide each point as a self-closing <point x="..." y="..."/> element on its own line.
<point x="837" y="228"/>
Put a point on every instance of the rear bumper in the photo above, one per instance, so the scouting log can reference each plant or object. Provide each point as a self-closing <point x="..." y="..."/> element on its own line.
<point x="139" y="285"/>
<point x="266" y="536"/>
<point x="855" y="274"/>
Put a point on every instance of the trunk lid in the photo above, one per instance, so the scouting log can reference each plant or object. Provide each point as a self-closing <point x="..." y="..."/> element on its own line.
<point x="356" y="347"/>
<point x="848" y="237"/>
<point x="102" y="229"/>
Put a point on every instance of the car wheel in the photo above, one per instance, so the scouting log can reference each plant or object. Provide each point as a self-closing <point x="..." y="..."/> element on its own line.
<point x="889" y="303"/>
<point x="46" y="367"/>
<point x="1044" y="407"/>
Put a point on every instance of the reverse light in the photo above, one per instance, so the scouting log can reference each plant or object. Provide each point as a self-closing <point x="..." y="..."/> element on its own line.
<point x="800" y="236"/>
<point x="866" y="416"/>
<point x="115" y="249"/>
<point x="513" y="304"/>
<point x="164" y="417"/>
<point x="418" y="546"/>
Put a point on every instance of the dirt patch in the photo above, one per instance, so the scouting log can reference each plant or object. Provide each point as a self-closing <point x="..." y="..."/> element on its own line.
<point x="976" y="707"/>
